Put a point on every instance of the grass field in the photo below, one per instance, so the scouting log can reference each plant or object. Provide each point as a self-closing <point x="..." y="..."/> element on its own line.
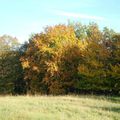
<point x="59" y="108"/>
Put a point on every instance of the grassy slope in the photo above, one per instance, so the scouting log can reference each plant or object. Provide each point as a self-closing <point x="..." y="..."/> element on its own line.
<point x="59" y="108"/>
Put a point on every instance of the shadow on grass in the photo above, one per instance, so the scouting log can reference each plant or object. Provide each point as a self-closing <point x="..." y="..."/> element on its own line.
<point x="111" y="109"/>
<point x="113" y="99"/>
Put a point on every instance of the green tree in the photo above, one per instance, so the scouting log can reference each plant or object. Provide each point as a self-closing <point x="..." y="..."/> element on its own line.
<point x="10" y="66"/>
<point x="114" y="64"/>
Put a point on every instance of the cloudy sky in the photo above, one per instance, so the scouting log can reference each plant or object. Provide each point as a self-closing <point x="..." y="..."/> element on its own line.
<point x="21" y="18"/>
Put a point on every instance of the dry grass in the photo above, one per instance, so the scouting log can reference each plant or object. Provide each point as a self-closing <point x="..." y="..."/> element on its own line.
<point x="59" y="108"/>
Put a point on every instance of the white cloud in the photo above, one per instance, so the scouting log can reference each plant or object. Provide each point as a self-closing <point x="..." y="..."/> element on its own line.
<point x="79" y="15"/>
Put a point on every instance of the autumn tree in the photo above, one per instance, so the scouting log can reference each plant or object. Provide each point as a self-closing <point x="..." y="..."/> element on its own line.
<point x="96" y="61"/>
<point x="48" y="60"/>
<point x="72" y="58"/>
<point x="114" y="64"/>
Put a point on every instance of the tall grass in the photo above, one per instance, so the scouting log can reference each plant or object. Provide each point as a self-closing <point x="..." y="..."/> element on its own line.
<point x="59" y="108"/>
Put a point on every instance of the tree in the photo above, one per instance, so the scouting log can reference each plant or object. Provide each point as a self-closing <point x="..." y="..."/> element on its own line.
<point x="44" y="60"/>
<point x="70" y="58"/>
<point x="94" y="67"/>
<point x="114" y="64"/>
<point x="10" y="66"/>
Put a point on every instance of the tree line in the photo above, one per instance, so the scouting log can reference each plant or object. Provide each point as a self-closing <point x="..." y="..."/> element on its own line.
<point x="63" y="59"/>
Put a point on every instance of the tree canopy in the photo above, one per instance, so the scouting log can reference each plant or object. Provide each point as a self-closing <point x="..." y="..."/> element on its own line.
<point x="62" y="59"/>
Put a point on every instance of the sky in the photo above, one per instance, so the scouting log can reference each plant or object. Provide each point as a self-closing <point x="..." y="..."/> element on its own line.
<point x="21" y="18"/>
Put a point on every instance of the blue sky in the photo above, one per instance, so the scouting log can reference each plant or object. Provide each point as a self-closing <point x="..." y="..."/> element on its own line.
<point x="21" y="18"/>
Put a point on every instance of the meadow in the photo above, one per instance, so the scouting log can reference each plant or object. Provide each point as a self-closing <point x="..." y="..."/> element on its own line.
<point x="59" y="108"/>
